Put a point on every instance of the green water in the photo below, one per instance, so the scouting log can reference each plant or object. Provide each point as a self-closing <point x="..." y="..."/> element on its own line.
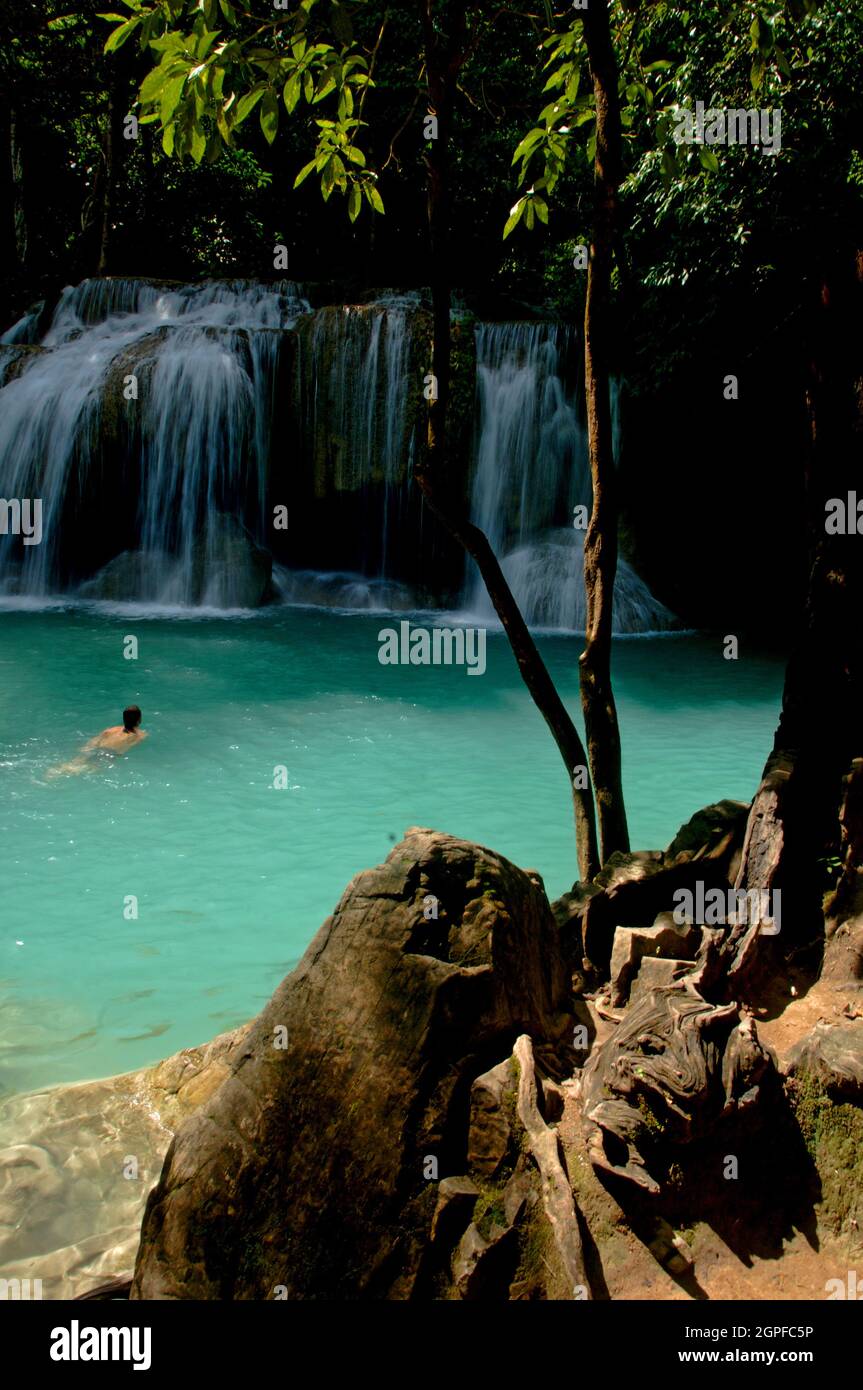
<point x="233" y="877"/>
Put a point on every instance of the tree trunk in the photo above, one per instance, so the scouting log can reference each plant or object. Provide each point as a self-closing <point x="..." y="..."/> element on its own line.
<point x="444" y="55"/>
<point x="794" y="820"/>
<point x="107" y="188"/>
<point x="600" y="544"/>
<point x="19" y="215"/>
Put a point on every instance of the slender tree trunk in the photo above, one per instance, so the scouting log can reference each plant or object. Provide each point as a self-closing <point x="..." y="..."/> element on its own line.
<point x="19" y="214"/>
<point x="600" y="544"/>
<point x="444" y="56"/>
<point x="107" y="189"/>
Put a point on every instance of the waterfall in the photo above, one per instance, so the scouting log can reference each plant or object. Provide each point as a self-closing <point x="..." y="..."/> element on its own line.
<point x="531" y="471"/>
<point x="184" y="451"/>
<point x="159" y="423"/>
<point x="531" y="451"/>
<point x="355" y="385"/>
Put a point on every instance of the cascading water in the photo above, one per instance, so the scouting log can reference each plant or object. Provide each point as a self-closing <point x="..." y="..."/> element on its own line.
<point x="179" y="380"/>
<point x="158" y="424"/>
<point x="532" y="472"/>
<point x="531" y="453"/>
<point x="354" y="385"/>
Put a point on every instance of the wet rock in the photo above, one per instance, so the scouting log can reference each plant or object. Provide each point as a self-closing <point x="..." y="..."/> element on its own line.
<point x="229" y="570"/>
<point x="131" y="576"/>
<point x="70" y="1214"/>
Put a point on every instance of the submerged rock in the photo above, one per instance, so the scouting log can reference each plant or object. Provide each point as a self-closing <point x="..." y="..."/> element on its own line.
<point x="310" y="1173"/>
<point x="70" y="1200"/>
<point x="224" y="569"/>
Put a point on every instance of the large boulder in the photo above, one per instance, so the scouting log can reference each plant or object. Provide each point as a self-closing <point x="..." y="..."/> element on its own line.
<point x="229" y="570"/>
<point x="311" y="1172"/>
<point x="132" y="575"/>
<point x="224" y="569"/>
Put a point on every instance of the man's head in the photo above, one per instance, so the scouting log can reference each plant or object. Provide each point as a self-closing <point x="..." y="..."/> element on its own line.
<point x="131" y="718"/>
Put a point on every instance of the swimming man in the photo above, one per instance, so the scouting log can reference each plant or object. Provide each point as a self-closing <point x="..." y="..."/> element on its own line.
<point x="118" y="739"/>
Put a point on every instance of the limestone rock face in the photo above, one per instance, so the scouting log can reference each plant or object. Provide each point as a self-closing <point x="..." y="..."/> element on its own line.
<point x="310" y="1172"/>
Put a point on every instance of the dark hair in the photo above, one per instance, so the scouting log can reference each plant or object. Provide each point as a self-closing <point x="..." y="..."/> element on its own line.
<point x="131" y="718"/>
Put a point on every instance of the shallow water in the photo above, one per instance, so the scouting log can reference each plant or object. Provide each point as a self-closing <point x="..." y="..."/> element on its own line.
<point x="234" y="877"/>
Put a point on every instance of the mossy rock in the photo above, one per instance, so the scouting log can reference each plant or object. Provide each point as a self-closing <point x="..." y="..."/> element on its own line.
<point x="833" y="1135"/>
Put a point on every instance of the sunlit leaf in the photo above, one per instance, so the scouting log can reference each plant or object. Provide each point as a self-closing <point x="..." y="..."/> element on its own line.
<point x="269" y="115"/>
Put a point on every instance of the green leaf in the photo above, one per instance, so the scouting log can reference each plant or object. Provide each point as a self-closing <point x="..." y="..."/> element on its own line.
<point x="198" y="144"/>
<point x="329" y="85"/>
<point x="119" y="36"/>
<point x="249" y="100"/>
<point x="529" y="215"/>
<point x="355" y="202"/>
<point x="168" y="137"/>
<point x="224" y="130"/>
<point x="269" y="115"/>
<point x="708" y="160"/>
<point x="155" y="81"/>
<point x="304" y="172"/>
<point x="171" y="95"/>
<point x="514" y="218"/>
<point x="374" y="197"/>
<point x="541" y="209"/>
<point x="292" y="92"/>
<point x="528" y="145"/>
